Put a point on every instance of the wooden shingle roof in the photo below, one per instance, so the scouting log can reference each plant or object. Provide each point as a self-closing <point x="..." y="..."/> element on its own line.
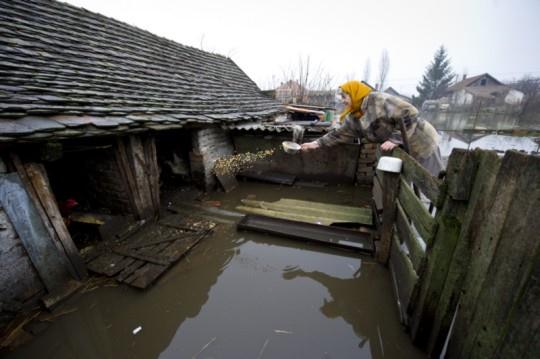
<point x="63" y="67"/>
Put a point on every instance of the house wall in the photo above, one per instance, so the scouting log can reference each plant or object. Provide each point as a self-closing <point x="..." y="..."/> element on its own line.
<point x="335" y="164"/>
<point x="462" y="98"/>
<point x="208" y="145"/>
<point x="514" y="97"/>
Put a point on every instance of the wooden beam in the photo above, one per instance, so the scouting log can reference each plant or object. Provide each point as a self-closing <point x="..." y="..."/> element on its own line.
<point x="390" y="193"/>
<point x="417" y="212"/>
<point x="38" y="177"/>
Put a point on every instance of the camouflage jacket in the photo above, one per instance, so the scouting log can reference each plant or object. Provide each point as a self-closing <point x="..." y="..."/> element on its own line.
<point x="380" y="123"/>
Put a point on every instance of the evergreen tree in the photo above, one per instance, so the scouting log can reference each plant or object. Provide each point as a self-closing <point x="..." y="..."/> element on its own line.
<point x="436" y="79"/>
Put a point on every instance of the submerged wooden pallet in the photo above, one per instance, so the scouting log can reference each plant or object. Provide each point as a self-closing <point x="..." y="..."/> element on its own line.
<point x="142" y="259"/>
<point x="308" y="211"/>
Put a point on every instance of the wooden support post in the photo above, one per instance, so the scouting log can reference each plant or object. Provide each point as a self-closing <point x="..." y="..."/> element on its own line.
<point x="39" y="180"/>
<point x="390" y="193"/>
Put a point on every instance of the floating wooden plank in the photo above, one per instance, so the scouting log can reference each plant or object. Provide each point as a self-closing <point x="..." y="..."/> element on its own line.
<point x="272" y="177"/>
<point x="417" y="212"/>
<point x="416" y="173"/>
<point x="305" y="231"/>
<point x="406" y="234"/>
<point x="315" y="212"/>
<point x="32" y="232"/>
<point x="40" y="182"/>
<point x="405" y="277"/>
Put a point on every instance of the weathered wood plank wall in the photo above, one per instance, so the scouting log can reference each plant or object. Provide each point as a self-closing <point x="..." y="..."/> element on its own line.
<point x="478" y="275"/>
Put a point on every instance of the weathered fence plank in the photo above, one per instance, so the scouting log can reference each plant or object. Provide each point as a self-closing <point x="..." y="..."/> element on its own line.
<point x="486" y="238"/>
<point x="513" y="260"/>
<point x="390" y="193"/>
<point x="36" y="240"/>
<point x="522" y="335"/>
<point x="439" y="256"/>
<point x="416" y="211"/>
<point x="405" y="277"/>
<point x="407" y="235"/>
<point x="488" y="166"/>
<point x="416" y="173"/>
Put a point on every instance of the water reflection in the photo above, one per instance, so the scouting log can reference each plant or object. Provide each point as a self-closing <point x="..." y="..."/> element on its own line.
<point x="359" y="303"/>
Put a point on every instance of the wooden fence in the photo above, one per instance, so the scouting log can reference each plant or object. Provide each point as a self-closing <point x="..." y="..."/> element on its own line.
<point x="467" y="278"/>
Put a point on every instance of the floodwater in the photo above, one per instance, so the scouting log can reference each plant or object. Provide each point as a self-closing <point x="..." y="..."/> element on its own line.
<point x="495" y="142"/>
<point x="241" y="295"/>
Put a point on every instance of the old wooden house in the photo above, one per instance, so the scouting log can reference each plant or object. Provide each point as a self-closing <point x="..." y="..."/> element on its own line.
<point x="96" y="112"/>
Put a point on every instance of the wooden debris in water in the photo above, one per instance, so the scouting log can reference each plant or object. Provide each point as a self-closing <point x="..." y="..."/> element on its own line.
<point x="231" y="165"/>
<point x="263" y="348"/>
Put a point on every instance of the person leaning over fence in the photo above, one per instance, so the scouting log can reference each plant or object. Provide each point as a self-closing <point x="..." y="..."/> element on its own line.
<point x="376" y="117"/>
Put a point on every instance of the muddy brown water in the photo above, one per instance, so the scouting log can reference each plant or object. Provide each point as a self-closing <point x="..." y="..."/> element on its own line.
<point x="241" y="295"/>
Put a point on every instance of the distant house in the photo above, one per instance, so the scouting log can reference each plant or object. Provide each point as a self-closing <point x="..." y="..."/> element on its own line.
<point x="290" y="92"/>
<point x="484" y="88"/>
<point x="390" y="90"/>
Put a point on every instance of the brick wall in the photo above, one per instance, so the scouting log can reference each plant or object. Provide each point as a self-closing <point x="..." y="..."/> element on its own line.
<point x="366" y="163"/>
<point x="208" y="145"/>
<point x="105" y="187"/>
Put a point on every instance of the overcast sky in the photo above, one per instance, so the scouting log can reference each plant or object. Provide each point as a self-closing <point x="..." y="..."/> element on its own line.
<point x="266" y="38"/>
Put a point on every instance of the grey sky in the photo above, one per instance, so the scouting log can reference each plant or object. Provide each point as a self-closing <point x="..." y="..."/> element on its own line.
<point x="265" y="38"/>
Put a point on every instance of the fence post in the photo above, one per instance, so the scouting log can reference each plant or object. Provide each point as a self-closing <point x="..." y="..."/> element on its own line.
<point x="391" y="167"/>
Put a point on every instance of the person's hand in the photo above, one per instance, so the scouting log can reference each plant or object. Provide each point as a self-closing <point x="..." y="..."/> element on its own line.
<point x="308" y="146"/>
<point x="388" y="146"/>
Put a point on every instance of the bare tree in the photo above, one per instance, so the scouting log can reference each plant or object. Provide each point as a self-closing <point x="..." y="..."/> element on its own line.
<point x="367" y="71"/>
<point x="384" y="68"/>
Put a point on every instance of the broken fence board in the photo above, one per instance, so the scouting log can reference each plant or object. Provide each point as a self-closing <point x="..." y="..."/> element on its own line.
<point x="417" y="212"/>
<point x="25" y="218"/>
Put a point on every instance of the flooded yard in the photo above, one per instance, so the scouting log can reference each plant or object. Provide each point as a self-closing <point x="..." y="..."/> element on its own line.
<point x="241" y="295"/>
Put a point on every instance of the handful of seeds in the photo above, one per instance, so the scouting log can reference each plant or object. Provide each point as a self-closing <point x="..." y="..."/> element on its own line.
<point x="233" y="164"/>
